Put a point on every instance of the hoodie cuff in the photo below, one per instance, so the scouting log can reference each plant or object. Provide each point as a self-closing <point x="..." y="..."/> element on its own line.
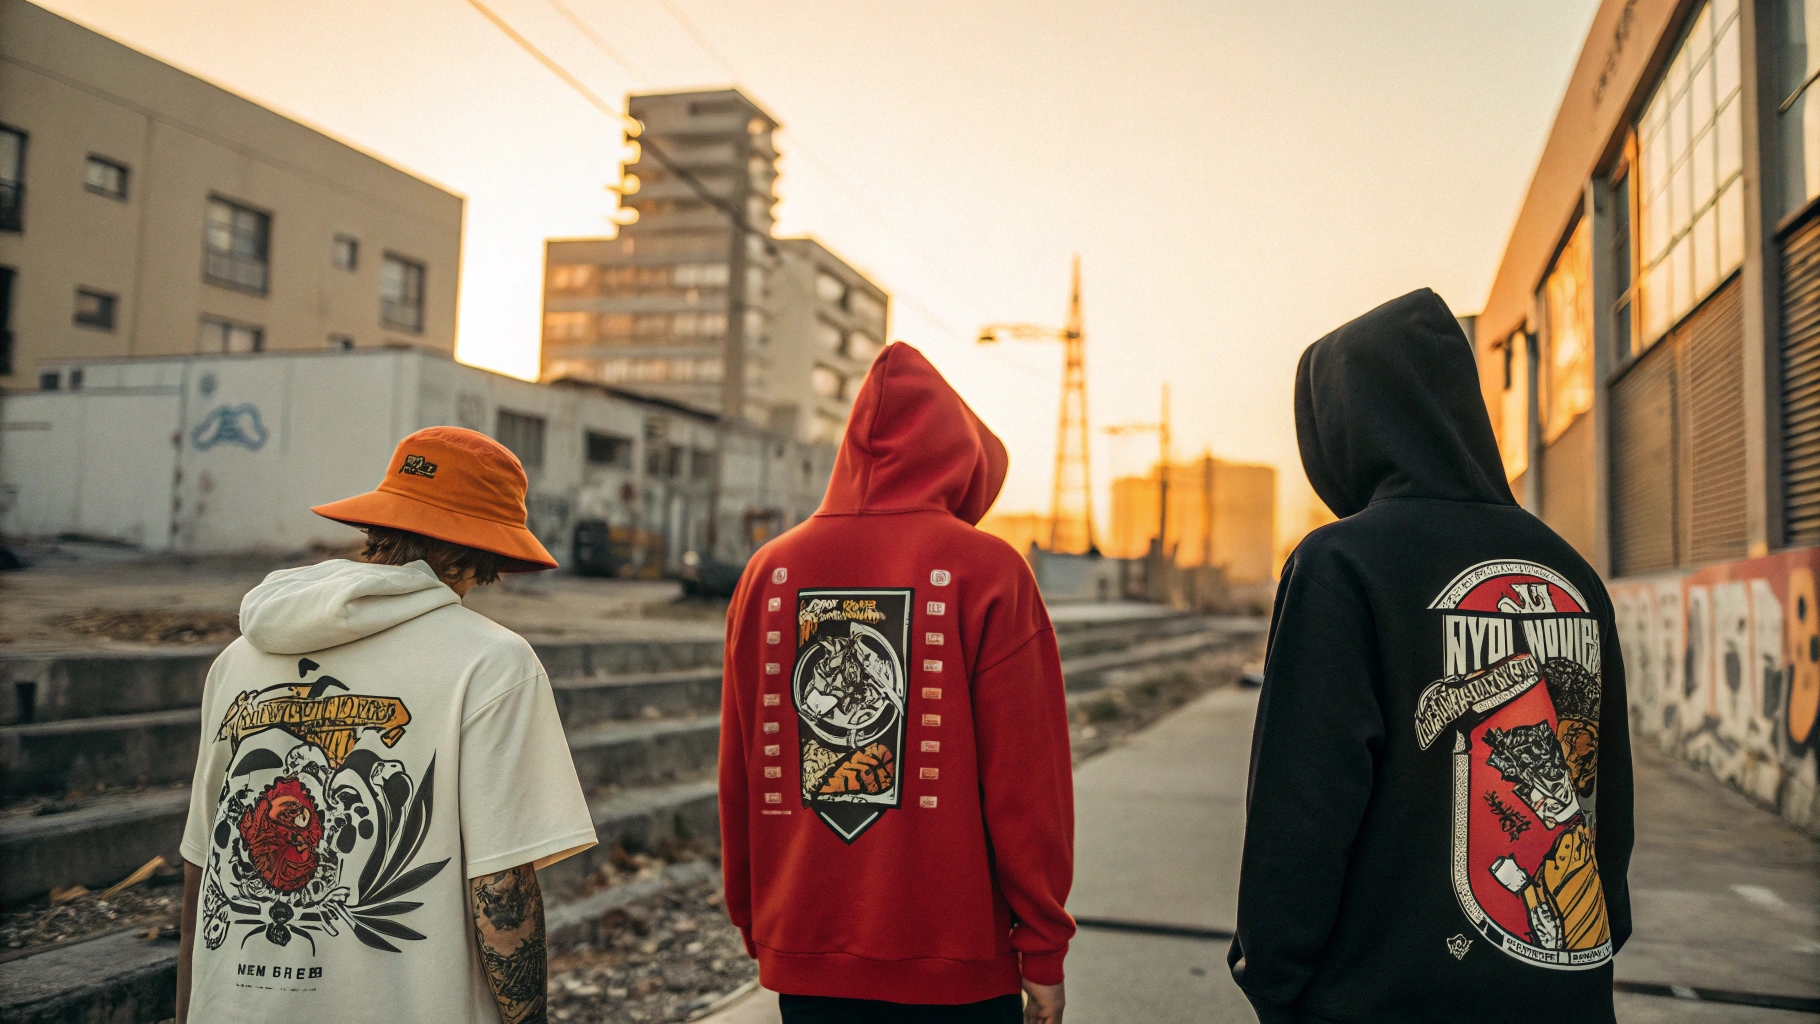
<point x="1043" y="968"/>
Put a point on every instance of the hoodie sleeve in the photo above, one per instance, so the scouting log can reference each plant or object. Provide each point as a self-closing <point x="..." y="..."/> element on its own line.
<point x="1020" y="719"/>
<point x="1613" y="805"/>
<point x="1318" y="733"/>
<point x="735" y="807"/>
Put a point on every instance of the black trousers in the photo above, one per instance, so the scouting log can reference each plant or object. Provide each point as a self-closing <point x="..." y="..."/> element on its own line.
<point x="826" y="1010"/>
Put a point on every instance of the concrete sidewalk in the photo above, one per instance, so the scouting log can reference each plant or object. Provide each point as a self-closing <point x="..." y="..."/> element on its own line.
<point x="1726" y="896"/>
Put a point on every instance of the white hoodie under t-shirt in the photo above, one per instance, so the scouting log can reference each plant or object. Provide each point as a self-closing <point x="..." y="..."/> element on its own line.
<point x="368" y="746"/>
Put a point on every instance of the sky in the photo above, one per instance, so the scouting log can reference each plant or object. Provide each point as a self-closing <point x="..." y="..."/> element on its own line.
<point x="1237" y="178"/>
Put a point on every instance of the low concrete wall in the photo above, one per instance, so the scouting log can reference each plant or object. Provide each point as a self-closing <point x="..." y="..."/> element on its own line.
<point x="1723" y="669"/>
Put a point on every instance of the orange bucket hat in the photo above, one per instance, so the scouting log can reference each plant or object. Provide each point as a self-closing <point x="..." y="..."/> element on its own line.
<point x="455" y="485"/>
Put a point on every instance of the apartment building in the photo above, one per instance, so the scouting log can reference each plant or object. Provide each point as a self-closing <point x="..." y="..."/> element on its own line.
<point x="145" y="211"/>
<point x="1650" y="356"/>
<point x="828" y="323"/>
<point x="695" y="301"/>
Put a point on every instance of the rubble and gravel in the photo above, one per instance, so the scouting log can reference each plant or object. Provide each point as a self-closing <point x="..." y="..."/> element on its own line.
<point x="668" y="958"/>
<point x="151" y="905"/>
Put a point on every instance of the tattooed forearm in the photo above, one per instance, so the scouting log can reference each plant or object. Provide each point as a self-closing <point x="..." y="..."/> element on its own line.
<point x="508" y="922"/>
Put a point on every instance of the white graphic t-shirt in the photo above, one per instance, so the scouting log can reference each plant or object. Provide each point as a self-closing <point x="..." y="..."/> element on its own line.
<point x="368" y="746"/>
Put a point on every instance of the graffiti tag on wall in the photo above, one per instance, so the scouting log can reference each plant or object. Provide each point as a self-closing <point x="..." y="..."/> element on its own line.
<point x="1724" y="670"/>
<point x="230" y="424"/>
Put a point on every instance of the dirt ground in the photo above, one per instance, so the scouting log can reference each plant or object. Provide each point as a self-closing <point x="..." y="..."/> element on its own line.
<point x="83" y="596"/>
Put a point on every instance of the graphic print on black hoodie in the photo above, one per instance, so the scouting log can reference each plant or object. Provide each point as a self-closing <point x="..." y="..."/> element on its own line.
<point x="1521" y="702"/>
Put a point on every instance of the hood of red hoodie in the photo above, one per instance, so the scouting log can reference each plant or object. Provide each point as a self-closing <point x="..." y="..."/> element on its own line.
<point x="913" y="445"/>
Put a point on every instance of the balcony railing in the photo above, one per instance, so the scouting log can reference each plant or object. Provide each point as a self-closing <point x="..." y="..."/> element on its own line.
<point x="242" y="272"/>
<point x="12" y="206"/>
<point x="404" y="315"/>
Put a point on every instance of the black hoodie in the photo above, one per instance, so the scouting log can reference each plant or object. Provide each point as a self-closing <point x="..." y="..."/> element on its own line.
<point x="1439" y="816"/>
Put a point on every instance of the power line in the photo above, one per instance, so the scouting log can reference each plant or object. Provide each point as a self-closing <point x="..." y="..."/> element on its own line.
<point x="852" y="194"/>
<point x="633" y="128"/>
<point x="600" y="44"/>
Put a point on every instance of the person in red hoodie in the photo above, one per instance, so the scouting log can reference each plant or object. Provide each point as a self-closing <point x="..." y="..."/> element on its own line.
<point x="896" y="791"/>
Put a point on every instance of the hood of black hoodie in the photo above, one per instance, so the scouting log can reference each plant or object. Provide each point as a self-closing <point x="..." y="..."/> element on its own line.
<point x="1389" y="406"/>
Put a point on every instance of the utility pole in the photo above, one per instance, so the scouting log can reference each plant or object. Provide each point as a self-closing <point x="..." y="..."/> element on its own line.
<point x="1073" y="468"/>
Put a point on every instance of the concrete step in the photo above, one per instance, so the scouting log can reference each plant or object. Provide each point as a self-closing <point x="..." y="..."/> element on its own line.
<point x="91" y="684"/>
<point x="124" y="977"/>
<point x="585" y="701"/>
<point x="150" y="748"/>
<point x="109" y="836"/>
<point x="96" y="845"/>
<point x="636" y="753"/>
<point x="1090" y="638"/>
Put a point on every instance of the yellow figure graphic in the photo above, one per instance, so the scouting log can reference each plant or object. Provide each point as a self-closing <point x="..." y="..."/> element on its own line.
<point x="1565" y="900"/>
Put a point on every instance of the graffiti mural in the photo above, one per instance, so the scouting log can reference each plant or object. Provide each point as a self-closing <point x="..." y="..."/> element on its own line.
<point x="1724" y="672"/>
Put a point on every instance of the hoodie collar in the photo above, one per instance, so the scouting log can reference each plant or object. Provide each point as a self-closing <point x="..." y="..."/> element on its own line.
<point x="1389" y="406"/>
<point x="912" y="444"/>
<point x="313" y="608"/>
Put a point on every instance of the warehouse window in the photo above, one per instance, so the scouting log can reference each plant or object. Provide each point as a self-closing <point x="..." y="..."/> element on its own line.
<point x="12" y="179"/>
<point x="222" y="335"/>
<point x="346" y="252"/>
<point x="1691" y="213"/>
<point x="609" y="450"/>
<point x="1797" y="67"/>
<point x="95" y="309"/>
<point x="104" y="177"/>
<point x="1567" y="380"/>
<point x="401" y="293"/>
<point x="522" y="434"/>
<point x="1513" y="410"/>
<point x="237" y="243"/>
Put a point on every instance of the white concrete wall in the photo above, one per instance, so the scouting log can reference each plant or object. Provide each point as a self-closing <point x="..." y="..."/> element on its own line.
<point x="220" y="454"/>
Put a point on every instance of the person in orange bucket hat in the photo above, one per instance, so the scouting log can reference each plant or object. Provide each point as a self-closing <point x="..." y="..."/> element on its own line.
<point x="382" y="771"/>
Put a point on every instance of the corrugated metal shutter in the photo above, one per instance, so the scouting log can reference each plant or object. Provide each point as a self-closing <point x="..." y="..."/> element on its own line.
<point x="1801" y="385"/>
<point x="1643" y="464"/>
<point x="1710" y="407"/>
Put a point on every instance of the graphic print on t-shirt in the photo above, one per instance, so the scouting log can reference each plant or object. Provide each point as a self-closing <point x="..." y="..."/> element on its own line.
<point x="315" y="836"/>
<point x="850" y="687"/>
<point x="1520" y="695"/>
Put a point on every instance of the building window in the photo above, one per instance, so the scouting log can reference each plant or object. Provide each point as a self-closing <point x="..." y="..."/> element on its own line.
<point x="12" y="179"/>
<point x="1513" y="410"/>
<point x="95" y="309"/>
<point x="346" y="252"/>
<point x="1621" y="324"/>
<point x="830" y="289"/>
<point x="1691" y="141"/>
<point x="522" y="434"/>
<point x="829" y="335"/>
<point x="827" y="381"/>
<point x="861" y="304"/>
<point x="1797" y="67"/>
<point x="568" y="327"/>
<point x="701" y="464"/>
<point x="50" y="380"/>
<point x="401" y="293"/>
<point x="609" y="450"/>
<point x="6" y="321"/>
<point x="341" y="342"/>
<point x="221" y="335"/>
<point x="863" y="347"/>
<point x="572" y="278"/>
<point x="104" y="177"/>
<point x="237" y="241"/>
<point x="1567" y="380"/>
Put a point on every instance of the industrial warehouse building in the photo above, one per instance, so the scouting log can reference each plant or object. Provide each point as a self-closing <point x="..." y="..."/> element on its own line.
<point x="226" y="453"/>
<point x="1650" y="354"/>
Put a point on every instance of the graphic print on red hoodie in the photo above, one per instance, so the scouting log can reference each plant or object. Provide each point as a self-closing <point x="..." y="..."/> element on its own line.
<point x="896" y="794"/>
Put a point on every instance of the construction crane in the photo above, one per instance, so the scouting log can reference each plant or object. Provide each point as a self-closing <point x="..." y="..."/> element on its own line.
<point x="1071" y="501"/>
<point x="1161" y="428"/>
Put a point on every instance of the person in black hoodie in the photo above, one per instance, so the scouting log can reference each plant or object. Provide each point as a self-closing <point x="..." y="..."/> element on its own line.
<point x="1439" y="813"/>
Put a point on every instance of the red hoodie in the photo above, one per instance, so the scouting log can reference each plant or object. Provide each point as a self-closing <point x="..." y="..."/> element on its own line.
<point x="896" y="796"/>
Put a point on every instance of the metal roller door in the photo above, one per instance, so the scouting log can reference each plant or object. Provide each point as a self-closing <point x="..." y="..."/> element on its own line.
<point x="1643" y="464"/>
<point x="1801" y="385"/>
<point x="1710" y="397"/>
